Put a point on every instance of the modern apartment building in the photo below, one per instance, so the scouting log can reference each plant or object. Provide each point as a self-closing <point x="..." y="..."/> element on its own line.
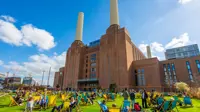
<point x="182" y="52"/>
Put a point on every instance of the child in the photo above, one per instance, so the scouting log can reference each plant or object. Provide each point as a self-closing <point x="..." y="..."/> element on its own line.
<point x="29" y="105"/>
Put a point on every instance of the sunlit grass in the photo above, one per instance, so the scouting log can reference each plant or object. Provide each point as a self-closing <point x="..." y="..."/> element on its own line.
<point x="4" y="102"/>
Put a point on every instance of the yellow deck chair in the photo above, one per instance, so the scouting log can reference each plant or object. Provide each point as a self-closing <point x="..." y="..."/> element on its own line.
<point x="114" y="109"/>
<point x="65" y="106"/>
<point x="63" y="97"/>
<point x="36" y="98"/>
<point x="105" y="97"/>
<point x="13" y="102"/>
<point x="52" y="101"/>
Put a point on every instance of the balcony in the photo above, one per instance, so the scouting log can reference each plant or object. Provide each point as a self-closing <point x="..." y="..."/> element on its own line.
<point x="88" y="80"/>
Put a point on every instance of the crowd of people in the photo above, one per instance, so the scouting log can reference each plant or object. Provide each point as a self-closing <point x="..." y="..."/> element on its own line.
<point x="147" y="99"/>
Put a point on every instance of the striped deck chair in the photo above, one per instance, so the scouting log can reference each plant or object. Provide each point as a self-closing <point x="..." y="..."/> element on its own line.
<point x="187" y="101"/>
<point x="13" y="102"/>
<point x="173" y="105"/>
<point x="105" y="97"/>
<point x="65" y="106"/>
<point x="177" y="99"/>
<point x="78" y="109"/>
<point x="99" y="103"/>
<point x="63" y="97"/>
<point x="165" y="106"/>
<point x="36" y="98"/>
<point x="160" y="100"/>
<point x="52" y="100"/>
<point x="114" y="109"/>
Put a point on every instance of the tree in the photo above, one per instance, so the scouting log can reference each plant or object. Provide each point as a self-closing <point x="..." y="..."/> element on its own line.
<point x="181" y="86"/>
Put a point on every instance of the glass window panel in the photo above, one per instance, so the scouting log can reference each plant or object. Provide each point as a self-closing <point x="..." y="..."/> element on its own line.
<point x="138" y="71"/>
<point x="93" y="64"/>
<point x="191" y="77"/>
<point x="142" y="70"/>
<point x="188" y="66"/>
<point x="139" y="81"/>
<point x="164" y="66"/>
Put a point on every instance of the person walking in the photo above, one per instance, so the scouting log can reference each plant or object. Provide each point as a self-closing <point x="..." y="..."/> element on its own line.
<point x="125" y="94"/>
<point x="132" y="97"/>
<point x="144" y="99"/>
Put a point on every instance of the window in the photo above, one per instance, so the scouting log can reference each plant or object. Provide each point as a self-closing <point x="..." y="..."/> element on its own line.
<point x="93" y="69"/>
<point x="189" y="70"/>
<point x="93" y="76"/>
<point x="174" y="73"/>
<point x="198" y="65"/>
<point x="93" y="57"/>
<point x="93" y="64"/>
<point x="140" y="77"/>
<point x="166" y="74"/>
<point x="86" y="65"/>
<point x="85" y="70"/>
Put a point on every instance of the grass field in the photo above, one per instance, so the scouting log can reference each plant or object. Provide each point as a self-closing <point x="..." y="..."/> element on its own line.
<point x="4" y="102"/>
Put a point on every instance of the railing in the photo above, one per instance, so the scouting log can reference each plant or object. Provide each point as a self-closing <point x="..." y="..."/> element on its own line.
<point x="87" y="80"/>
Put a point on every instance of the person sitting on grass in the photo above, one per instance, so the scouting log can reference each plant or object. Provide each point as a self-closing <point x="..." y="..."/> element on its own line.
<point x="103" y="106"/>
<point x="137" y="107"/>
<point x="58" y="108"/>
<point x="72" y="104"/>
<point x="18" y="99"/>
<point x="154" y="100"/>
<point x="159" y="106"/>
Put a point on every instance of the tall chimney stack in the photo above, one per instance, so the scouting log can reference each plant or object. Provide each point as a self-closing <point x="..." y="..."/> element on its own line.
<point x="114" y="18"/>
<point x="79" y="27"/>
<point x="148" y="52"/>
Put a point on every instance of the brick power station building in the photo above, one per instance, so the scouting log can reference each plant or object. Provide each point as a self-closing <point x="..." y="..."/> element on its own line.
<point x="115" y="60"/>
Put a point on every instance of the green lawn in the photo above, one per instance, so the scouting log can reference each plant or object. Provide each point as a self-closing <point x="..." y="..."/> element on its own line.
<point x="4" y="101"/>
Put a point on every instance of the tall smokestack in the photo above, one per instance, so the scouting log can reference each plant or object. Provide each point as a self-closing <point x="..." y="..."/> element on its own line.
<point x="79" y="27"/>
<point x="114" y="19"/>
<point x="148" y="52"/>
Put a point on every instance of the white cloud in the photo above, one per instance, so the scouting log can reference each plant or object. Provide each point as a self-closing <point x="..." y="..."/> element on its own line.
<point x="40" y="37"/>
<point x="1" y="62"/>
<point x="182" y="40"/>
<point x="28" y="35"/>
<point x="8" y="18"/>
<point x="10" y="34"/>
<point x="157" y="47"/>
<point x="36" y="64"/>
<point x="143" y="47"/>
<point x="184" y="1"/>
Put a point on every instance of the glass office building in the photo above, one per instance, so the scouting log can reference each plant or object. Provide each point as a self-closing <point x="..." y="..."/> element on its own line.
<point x="182" y="52"/>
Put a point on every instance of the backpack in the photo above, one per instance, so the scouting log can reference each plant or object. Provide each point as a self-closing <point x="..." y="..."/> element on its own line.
<point x="137" y="107"/>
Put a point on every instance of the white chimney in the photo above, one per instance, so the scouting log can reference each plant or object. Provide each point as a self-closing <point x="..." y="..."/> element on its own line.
<point x="114" y="19"/>
<point x="148" y="52"/>
<point x="79" y="28"/>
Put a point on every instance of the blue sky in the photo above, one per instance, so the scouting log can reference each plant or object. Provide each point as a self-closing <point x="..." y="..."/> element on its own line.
<point x="34" y="35"/>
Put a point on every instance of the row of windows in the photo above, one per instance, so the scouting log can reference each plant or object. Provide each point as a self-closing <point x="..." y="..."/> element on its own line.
<point x="170" y="69"/>
<point x="91" y="75"/>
